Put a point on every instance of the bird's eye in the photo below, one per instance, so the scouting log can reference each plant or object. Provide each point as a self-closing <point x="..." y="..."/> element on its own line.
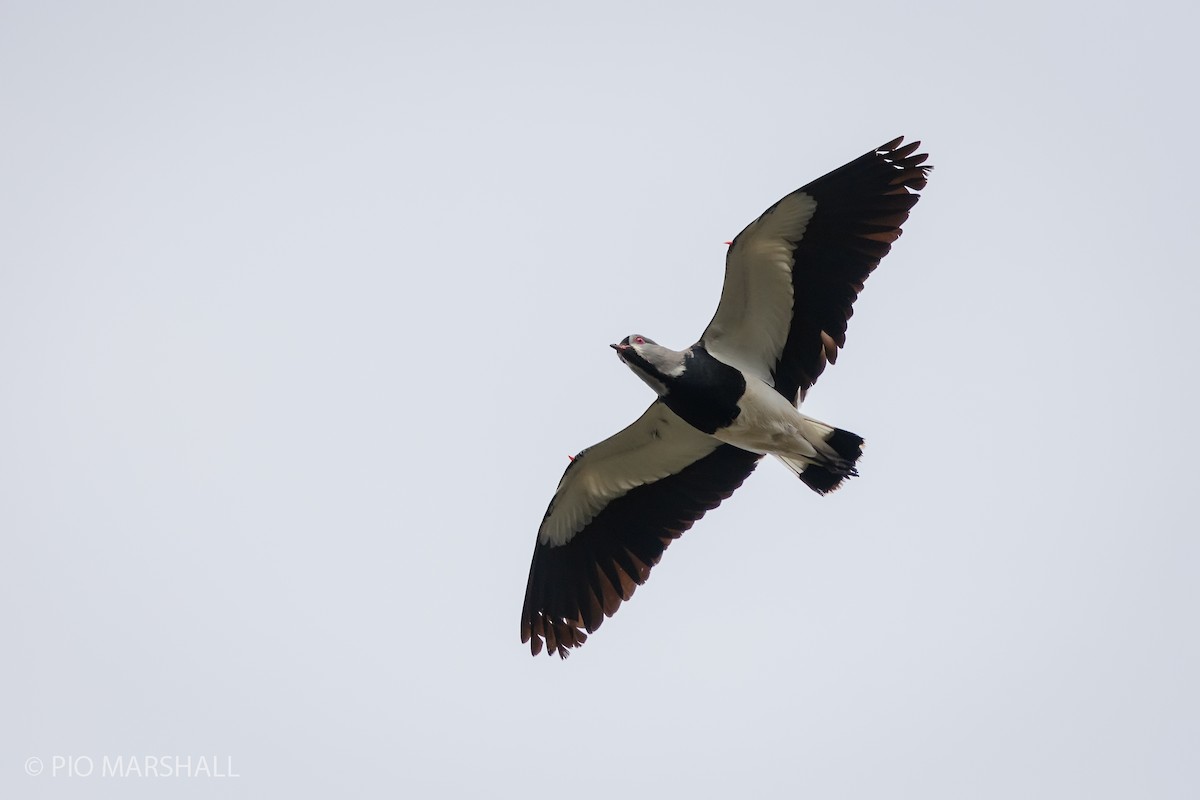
<point x="638" y="340"/>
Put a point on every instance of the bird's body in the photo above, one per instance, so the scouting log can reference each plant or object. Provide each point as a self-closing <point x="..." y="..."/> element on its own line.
<point x="733" y="407"/>
<point x="769" y="425"/>
<point x="791" y="278"/>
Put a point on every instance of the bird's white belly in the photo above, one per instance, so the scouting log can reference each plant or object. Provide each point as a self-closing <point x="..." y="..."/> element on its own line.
<point x="769" y="424"/>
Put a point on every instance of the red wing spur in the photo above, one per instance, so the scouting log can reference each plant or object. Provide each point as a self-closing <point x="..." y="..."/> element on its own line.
<point x="791" y="278"/>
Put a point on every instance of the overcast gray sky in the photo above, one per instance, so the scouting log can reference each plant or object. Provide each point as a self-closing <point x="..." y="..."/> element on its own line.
<point x="303" y="306"/>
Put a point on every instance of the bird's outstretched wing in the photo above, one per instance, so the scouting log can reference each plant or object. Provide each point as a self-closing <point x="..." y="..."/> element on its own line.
<point x="792" y="276"/>
<point x="617" y="507"/>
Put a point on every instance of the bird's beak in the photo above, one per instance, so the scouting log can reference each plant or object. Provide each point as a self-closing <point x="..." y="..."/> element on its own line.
<point x="620" y="348"/>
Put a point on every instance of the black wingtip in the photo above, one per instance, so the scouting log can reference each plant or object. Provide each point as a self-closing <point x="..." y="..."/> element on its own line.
<point x="912" y="172"/>
<point x="573" y="587"/>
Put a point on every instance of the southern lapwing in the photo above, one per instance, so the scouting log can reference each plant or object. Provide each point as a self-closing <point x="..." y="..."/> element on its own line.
<point x="791" y="278"/>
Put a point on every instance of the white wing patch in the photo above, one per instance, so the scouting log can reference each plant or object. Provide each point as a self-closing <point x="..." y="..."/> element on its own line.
<point x="657" y="445"/>
<point x="754" y="316"/>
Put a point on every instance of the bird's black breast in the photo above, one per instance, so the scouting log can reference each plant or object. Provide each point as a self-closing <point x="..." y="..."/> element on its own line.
<point x="706" y="395"/>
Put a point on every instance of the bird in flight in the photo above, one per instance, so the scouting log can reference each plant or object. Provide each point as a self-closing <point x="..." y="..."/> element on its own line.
<point x="791" y="278"/>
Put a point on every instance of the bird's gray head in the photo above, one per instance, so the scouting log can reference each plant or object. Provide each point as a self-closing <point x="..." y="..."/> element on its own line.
<point x="650" y="361"/>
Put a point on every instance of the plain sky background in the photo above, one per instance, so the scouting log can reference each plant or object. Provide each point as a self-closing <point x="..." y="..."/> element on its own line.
<point x="303" y="306"/>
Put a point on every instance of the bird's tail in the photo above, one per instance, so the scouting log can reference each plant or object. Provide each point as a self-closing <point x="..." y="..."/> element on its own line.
<point x="835" y="453"/>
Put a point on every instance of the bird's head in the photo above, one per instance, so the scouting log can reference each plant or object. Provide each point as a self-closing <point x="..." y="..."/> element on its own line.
<point x="650" y="361"/>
